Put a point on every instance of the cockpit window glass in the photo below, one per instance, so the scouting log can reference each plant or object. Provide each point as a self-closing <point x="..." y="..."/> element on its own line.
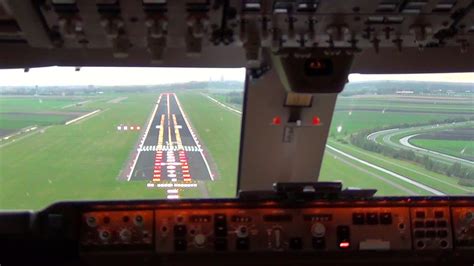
<point x="118" y="133"/>
<point x="168" y="133"/>
<point x="404" y="134"/>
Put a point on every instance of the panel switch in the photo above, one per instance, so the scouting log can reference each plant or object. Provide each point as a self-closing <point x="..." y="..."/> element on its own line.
<point x="343" y="236"/>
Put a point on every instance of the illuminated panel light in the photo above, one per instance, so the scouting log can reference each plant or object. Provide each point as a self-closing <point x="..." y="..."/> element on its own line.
<point x="344" y="244"/>
<point x="150" y="185"/>
<point x="252" y="6"/>
<point x="172" y="197"/>
<point x="172" y="191"/>
<point x="138" y="128"/>
<point x="276" y="121"/>
<point x="307" y="6"/>
<point x="119" y="128"/>
<point x="316" y="121"/>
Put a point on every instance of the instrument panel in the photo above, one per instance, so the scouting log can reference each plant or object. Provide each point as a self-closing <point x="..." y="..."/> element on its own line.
<point x="275" y="228"/>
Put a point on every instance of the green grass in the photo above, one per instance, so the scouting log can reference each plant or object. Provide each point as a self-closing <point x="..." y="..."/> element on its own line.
<point x="458" y="148"/>
<point x="448" y="185"/>
<point x="15" y="121"/>
<point x="336" y="168"/>
<point x="219" y="130"/>
<point x="32" y="104"/>
<point x="351" y="122"/>
<point x="76" y="162"/>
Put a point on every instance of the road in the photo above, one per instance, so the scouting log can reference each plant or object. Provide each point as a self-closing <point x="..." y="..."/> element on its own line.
<point x="170" y="156"/>
<point x="386" y="137"/>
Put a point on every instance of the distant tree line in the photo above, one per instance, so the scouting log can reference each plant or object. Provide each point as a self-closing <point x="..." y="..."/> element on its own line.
<point x="466" y="174"/>
<point x="235" y="97"/>
<point x="92" y="89"/>
<point x="417" y="87"/>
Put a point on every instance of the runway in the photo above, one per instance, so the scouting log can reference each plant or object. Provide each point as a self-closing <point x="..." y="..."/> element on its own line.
<point x="169" y="154"/>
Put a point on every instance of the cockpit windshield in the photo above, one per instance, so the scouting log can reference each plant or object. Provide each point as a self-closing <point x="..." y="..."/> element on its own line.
<point x="148" y="133"/>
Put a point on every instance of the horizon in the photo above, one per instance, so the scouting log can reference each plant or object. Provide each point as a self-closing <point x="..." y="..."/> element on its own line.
<point x="139" y="76"/>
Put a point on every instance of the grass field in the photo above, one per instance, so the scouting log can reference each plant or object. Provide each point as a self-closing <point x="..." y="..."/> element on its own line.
<point x="458" y="148"/>
<point x="79" y="161"/>
<point x="17" y="113"/>
<point x="448" y="185"/>
<point x="32" y="104"/>
<point x="15" y="121"/>
<point x="351" y="122"/>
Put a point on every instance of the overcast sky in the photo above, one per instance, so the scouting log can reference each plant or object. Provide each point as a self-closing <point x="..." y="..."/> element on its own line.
<point x="48" y="76"/>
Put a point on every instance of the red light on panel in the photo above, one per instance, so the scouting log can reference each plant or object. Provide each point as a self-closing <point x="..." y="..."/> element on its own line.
<point x="344" y="244"/>
<point x="276" y="120"/>
<point x="316" y="121"/>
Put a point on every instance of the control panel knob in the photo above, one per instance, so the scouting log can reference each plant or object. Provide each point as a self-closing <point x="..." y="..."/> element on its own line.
<point x="242" y="231"/>
<point x="91" y="221"/>
<point x="199" y="239"/>
<point x="138" y="220"/>
<point x="104" y="235"/>
<point x="318" y="230"/>
<point x="125" y="235"/>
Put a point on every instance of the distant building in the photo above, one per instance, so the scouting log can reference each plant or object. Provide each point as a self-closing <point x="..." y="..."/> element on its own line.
<point x="404" y="92"/>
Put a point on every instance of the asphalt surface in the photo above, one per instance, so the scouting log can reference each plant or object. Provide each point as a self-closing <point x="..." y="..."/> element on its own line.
<point x="170" y="152"/>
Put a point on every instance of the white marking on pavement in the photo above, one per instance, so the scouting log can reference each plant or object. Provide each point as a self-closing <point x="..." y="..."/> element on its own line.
<point x="81" y="117"/>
